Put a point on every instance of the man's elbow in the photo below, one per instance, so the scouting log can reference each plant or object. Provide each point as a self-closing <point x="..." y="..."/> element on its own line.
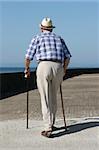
<point x="67" y="60"/>
<point x="27" y="60"/>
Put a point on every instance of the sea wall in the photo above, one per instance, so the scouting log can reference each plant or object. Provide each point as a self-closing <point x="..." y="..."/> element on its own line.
<point x="15" y="83"/>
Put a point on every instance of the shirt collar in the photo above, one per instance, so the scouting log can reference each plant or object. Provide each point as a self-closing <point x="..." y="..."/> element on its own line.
<point x="45" y="31"/>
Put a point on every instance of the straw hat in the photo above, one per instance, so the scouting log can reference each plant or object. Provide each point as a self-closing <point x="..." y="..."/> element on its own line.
<point x="46" y="24"/>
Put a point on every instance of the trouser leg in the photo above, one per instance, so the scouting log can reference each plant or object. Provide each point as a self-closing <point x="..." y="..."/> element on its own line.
<point x="44" y="87"/>
<point x="56" y="81"/>
<point x="48" y="80"/>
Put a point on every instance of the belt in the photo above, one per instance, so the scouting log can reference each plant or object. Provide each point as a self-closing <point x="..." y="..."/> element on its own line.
<point x="53" y="60"/>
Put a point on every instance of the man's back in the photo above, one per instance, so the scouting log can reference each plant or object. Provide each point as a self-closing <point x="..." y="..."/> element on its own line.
<point x="48" y="46"/>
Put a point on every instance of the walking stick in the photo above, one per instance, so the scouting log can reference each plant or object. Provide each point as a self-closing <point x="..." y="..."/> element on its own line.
<point x="27" y="82"/>
<point x="27" y="104"/>
<point x="63" y="107"/>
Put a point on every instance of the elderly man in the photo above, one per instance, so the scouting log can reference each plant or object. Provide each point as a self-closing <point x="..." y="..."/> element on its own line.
<point x="53" y="58"/>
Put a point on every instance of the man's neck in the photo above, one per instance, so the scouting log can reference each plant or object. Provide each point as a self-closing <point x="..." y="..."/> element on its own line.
<point x="46" y="31"/>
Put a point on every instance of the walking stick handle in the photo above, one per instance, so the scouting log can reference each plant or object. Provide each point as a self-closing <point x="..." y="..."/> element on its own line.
<point x="26" y="76"/>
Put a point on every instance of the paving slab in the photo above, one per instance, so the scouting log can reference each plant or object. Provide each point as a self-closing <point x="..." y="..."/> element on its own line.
<point x="80" y="95"/>
<point x="82" y="134"/>
<point x="81" y="102"/>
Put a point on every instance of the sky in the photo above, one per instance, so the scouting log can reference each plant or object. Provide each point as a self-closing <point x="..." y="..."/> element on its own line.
<point x="76" y="21"/>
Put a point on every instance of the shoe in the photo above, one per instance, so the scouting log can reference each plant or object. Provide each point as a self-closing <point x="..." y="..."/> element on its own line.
<point x="54" y="128"/>
<point x="46" y="133"/>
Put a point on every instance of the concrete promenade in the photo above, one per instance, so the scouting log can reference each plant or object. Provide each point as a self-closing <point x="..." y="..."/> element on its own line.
<point x="81" y="102"/>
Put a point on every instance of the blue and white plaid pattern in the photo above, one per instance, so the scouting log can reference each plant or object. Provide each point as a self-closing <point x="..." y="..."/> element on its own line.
<point x="48" y="46"/>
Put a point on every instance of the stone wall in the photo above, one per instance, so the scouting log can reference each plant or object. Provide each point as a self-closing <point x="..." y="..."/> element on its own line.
<point x="15" y="83"/>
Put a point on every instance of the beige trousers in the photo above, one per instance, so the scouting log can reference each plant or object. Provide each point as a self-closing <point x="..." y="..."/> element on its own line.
<point x="49" y="78"/>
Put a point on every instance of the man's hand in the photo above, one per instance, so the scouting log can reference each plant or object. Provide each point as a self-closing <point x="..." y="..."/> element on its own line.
<point x="27" y="69"/>
<point x="27" y="72"/>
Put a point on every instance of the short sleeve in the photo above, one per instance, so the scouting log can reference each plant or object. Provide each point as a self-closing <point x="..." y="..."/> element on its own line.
<point x="67" y="53"/>
<point x="30" y="52"/>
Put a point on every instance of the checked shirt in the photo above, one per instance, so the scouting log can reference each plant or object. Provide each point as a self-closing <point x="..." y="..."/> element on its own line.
<point x="47" y="46"/>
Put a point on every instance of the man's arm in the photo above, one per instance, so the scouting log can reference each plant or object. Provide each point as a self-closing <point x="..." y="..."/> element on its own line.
<point x="29" y="56"/>
<point x="27" y="63"/>
<point x="27" y="68"/>
<point x="67" y="55"/>
<point x="66" y="63"/>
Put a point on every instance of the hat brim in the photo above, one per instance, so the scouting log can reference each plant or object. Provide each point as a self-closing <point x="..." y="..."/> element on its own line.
<point x="45" y="27"/>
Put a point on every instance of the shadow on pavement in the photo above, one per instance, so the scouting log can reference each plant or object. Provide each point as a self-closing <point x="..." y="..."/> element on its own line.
<point x="73" y="128"/>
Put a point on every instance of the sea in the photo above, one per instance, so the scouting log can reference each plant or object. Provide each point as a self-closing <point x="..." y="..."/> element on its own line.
<point x="21" y="69"/>
<point x="13" y="69"/>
